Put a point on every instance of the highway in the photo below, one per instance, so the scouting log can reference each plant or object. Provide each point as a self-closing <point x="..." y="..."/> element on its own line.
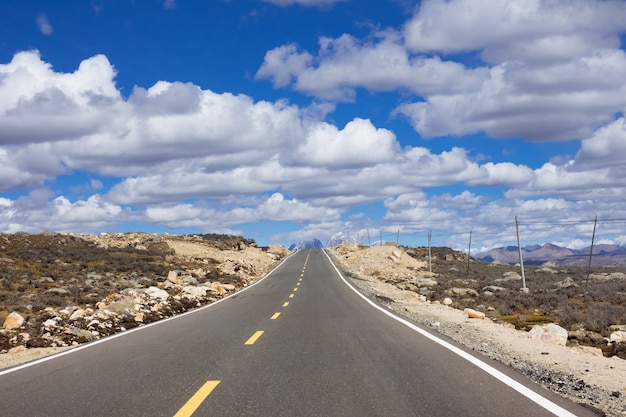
<point x="300" y="342"/>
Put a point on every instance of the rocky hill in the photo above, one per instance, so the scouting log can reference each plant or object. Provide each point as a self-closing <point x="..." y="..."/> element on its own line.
<point x="64" y="289"/>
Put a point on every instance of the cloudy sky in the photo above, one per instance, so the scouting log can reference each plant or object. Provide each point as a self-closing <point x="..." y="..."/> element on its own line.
<point x="284" y="120"/>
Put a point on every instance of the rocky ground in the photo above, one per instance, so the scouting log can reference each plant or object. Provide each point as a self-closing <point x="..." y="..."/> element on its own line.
<point x="61" y="290"/>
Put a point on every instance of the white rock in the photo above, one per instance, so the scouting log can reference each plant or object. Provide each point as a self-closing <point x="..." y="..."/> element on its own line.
<point x="154" y="292"/>
<point x="93" y="323"/>
<point x="193" y="292"/>
<point x="173" y="277"/>
<point x="447" y="301"/>
<point x="473" y="314"/>
<point x="13" y="321"/>
<point x="77" y="314"/>
<point x="618" y="337"/>
<point x="50" y="323"/>
<point x="426" y="282"/>
<point x="550" y="333"/>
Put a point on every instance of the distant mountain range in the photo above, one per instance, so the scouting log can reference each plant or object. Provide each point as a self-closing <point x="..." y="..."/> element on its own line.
<point x="603" y="255"/>
<point x="306" y="244"/>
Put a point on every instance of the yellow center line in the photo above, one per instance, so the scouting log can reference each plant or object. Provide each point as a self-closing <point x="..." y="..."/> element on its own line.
<point x="291" y="295"/>
<point x="275" y="316"/>
<point x="254" y="338"/>
<point x="295" y="289"/>
<point x="194" y="402"/>
<point x="298" y="284"/>
<point x="286" y="303"/>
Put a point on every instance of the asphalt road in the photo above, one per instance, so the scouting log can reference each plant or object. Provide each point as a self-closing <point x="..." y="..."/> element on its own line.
<point x="301" y="342"/>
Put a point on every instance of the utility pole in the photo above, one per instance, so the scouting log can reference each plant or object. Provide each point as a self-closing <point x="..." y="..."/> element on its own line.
<point x="430" y="258"/>
<point x="593" y="237"/>
<point x="469" y="250"/>
<point x="521" y="258"/>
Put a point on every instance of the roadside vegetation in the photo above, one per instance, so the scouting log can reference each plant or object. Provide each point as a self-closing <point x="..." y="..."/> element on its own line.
<point x="589" y="304"/>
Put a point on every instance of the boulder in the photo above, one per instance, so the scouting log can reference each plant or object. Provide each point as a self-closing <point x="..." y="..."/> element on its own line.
<point x="604" y="276"/>
<point x="512" y="275"/>
<point x="80" y="313"/>
<point x="463" y="292"/>
<point x="13" y="321"/>
<point x="80" y="333"/>
<point x="57" y="291"/>
<point x="154" y="292"/>
<point x="473" y="314"/>
<point x="550" y="333"/>
<point x="493" y="288"/>
<point x="50" y="323"/>
<point x="566" y="283"/>
<point x="193" y="292"/>
<point x="618" y="337"/>
<point x="172" y="277"/>
<point x="546" y="270"/>
<point x="425" y="282"/>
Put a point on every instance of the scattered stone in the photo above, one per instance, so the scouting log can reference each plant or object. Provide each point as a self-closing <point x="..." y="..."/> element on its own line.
<point x="463" y="292"/>
<point x="13" y="321"/>
<point x="154" y="292"/>
<point x="193" y="292"/>
<point x="172" y="277"/>
<point x="447" y="301"/>
<point x="618" y="337"/>
<point x="473" y="314"/>
<point x="550" y="333"/>
<point x="566" y="283"/>
<point x="57" y="291"/>
<point x="606" y="276"/>
<point x="493" y="288"/>
<point x="425" y="282"/>
<point x="80" y="333"/>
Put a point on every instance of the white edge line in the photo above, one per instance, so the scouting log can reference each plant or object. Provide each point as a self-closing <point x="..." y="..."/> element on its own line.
<point x="525" y="391"/>
<point x="136" y="329"/>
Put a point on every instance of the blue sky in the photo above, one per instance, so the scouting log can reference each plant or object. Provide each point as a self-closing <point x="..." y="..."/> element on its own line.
<point x="285" y="120"/>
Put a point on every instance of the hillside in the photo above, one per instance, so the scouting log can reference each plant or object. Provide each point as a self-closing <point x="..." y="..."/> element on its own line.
<point x="59" y="290"/>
